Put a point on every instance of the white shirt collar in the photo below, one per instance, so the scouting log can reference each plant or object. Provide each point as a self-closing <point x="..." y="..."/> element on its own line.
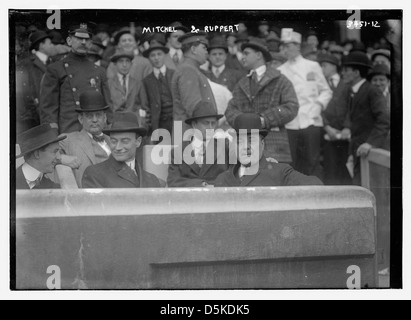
<point x="131" y="164"/>
<point x="260" y="71"/>
<point x="120" y="77"/>
<point x="296" y="59"/>
<point x="31" y="174"/>
<point x="163" y="70"/>
<point x="357" y="86"/>
<point x="220" y="69"/>
<point x="42" y="56"/>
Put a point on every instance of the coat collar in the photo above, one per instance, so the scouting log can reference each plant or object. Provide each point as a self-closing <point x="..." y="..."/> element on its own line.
<point x="269" y="75"/>
<point x="87" y="145"/>
<point x="125" y="172"/>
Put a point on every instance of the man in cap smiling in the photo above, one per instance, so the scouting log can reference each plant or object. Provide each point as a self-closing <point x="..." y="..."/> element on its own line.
<point x="121" y="169"/>
<point x="252" y="169"/>
<point x="189" y="84"/>
<point x="41" y="152"/>
<point x="65" y="80"/>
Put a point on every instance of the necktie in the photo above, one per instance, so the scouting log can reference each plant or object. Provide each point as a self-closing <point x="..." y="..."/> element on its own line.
<point x="217" y="73"/>
<point x="331" y="83"/>
<point x="99" y="138"/>
<point x="124" y="83"/>
<point x="36" y="182"/>
<point x="201" y="155"/>
<point x="161" y="76"/>
<point x="175" y="58"/>
<point x="350" y="101"/>
<point x="131" y="167"/>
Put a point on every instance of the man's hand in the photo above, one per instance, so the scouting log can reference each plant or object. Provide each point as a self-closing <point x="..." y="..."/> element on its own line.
<point x="206" y="185"/>
<point x="334" y="134"/>
<point x="272" y="160"/>
<point x="364" y="149"/>
<point x="54" y="125"/>
<point x="71" y="161"/>
<point x="346" y="134"/>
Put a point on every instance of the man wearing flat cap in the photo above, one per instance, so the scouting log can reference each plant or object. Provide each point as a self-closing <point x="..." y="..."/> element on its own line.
<point x="209" y="154"/>
<point x="41" y="151"/>
<point x="267" y="92"/>
<point x="65" y="80"/>
<point x="313" y="95"/>
<point x="252" y="169"/>
<point x="157" y="87"/>
<point x="33" y="69"/>
<point x="368" y="121"/>
<point x="219" y="72"/>
<point x="121" y="169"/>
<point x="127" y="41"/>
<point x="125" y="89"/>
<point x="189" y="84"/>
<point x="89" y="145"/>
<point x="335" y="149"/>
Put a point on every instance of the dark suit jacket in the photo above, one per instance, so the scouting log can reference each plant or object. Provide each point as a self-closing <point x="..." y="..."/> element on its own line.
<point x="152" y="92"/>
<point x="228" y="78"/>
<point x="185" y="175"/>
<point x="233" y="63"/>
<point x="114" y="174"/>
<point x="269" y="174"/>
<point x="336" y="112"/>
<point x="122" y="102"/>
<point x="369" y="120"/>
<point x="44" y="183"/>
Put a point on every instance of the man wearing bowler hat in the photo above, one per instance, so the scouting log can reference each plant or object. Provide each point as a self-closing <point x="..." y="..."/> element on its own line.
<point x="65" y="80"/>
<point x="157" y="87"/>
<point x="368" y="121"/>
<point x="219" y="72"/>
<point x="121" y="169"/>
<point x="267" y="92"/>
<point x="189" y="84"/>
<point x="125" y="89"/>
<point x="335" y="149"/>
<point x="204" y="157"/>
<point x="33" y="69"/>
<point x="89" y="145"/>
<point x="41" y="151"/>
<point x="313" y="95"/>
<point x="252" y="169"/>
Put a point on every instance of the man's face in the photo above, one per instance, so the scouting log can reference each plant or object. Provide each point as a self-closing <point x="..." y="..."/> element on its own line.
<point x="250" y="148"/>
<point x="49" y="157"/>
<point x="380" y="81"/>
<point x="173" y="39"/>
<point x="328" y="69"/>
<point x="204" y="124"/>
<point x="312" y="40"/>
<point x="201" y="53"/>
<point x="291" y="50"/>
<point x="231" y="41"/>
<point x="47" y="47"/>
<point x="79" y="45"/>
<point x="349" y="75"/>
<point x="123" y="65"/>
<point x="127" y="42"/>
<point x="263" y="28"/>
<point x="93" y="122"/>
<point x="251" y="58"/>
<point x="217" y="57"/>
<point x="156" y="58"/>
<point x="124" y="145"/>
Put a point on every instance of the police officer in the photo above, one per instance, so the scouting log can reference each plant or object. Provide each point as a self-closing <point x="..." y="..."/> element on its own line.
<point x="66" y="79"/>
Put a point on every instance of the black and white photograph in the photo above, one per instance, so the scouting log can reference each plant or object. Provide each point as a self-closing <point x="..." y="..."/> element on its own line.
<point x="205" y="150"/>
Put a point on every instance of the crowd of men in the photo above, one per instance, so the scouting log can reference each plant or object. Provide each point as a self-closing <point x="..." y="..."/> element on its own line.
<point x="91" y="101"/>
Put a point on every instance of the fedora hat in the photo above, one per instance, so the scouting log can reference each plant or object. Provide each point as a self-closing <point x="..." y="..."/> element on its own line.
<point x="126" y="122"/>
<point x="37" y="137"/>
<point x="242" y="37"/>
<point x="381" y="52"/>
<point x="218" y="43"/>
<point x="356" y="58"/>
<point x="179" y="26"/>
<point x="327" y="57"/>
<point x="124" y="31"/>
<point x="249" y="121"/>
<point x="37" y="37"/>
<point x="258" y="45"/>
<point x="157" y="42"/>
<point x="121" y="53"/>
<point x="92" y="101"/>
<point x="203" y="109"/>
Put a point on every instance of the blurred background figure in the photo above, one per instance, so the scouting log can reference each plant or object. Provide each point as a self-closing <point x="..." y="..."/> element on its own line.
<point x="379" y="76"/>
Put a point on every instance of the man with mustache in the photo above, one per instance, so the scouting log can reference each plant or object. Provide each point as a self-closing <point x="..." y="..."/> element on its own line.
<point x="41" y="151"/>
<point x="252" y="168"/>
<point x="65" y="80"/>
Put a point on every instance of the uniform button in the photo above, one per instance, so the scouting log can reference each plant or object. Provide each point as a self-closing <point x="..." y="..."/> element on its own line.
<point x="70" y="75"/>
<point x="77" y="103"/>
<point x="205" y="85"/>
<point x="208" y="98"/>
<point x="74" y="89"/>
<point x="97" y="77"/>
<point x="66" y="65"/>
